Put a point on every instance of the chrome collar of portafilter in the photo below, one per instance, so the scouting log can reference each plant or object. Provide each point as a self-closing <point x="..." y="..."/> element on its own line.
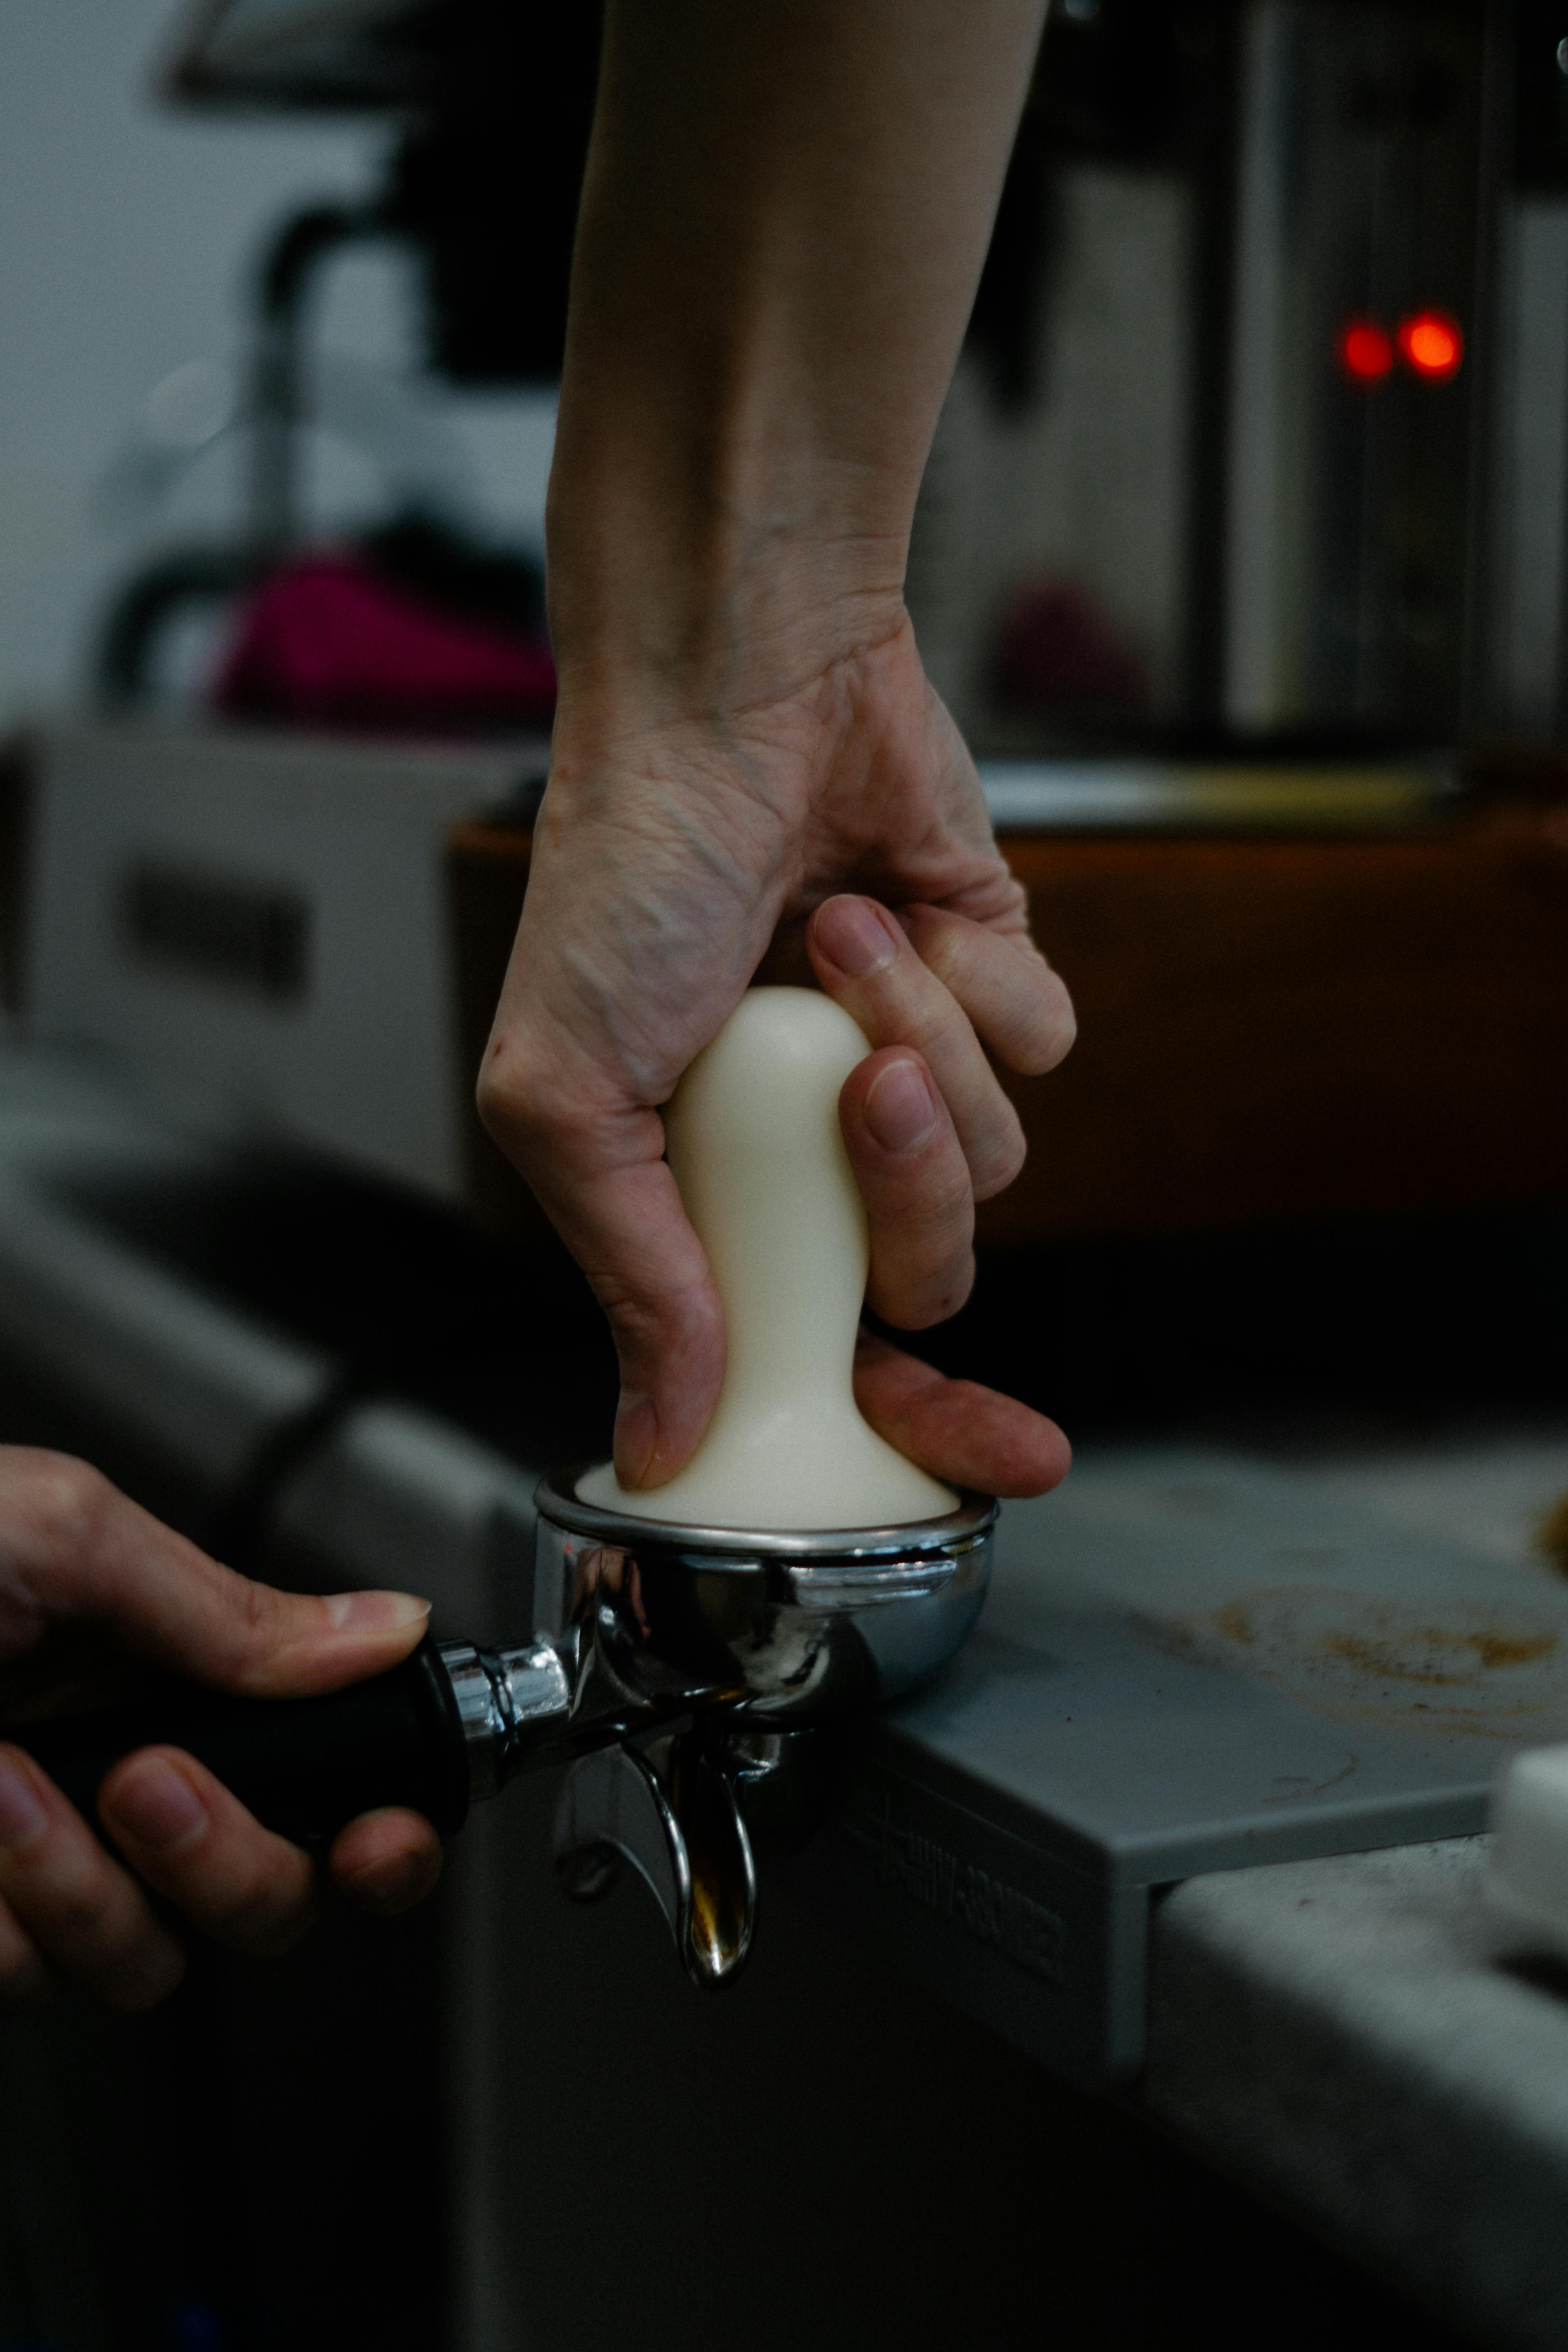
<point x="692" y="1670"/>
<point x="787" y="1625"/>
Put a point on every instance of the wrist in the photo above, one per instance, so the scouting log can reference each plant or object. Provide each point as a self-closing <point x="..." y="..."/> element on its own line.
<point x="720" y="583"/>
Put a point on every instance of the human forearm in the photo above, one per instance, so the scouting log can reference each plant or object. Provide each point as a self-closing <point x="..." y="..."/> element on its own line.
<point x="786" y="211"/>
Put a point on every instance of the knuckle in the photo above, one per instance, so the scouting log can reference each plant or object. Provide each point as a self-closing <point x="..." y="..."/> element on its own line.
<point x="251" y="1620"/>
<point x="68" y="1501"/>
<point x="80" y="1907"/>
<point x="516" y="1100"/>
<point x="913" y="1298"/>
<point x="940" y="942"/>
<point x="933" y="1018"/>
<point x="83" y="1908"/>
<point x="497" y="1097"/>
<point x="266" y="1906"/>
<point x="1000" y="1161"/>
<point x="638" y="1322"/>
<point x="258" y="1609"/>
<point x="926" y="1021"/>
<point x="955" y="1294"/>
<point x="142" y="1974"/>
<point x="924" y="1206"/>
<point x="1053" y="1033"/>
<point x="23" y="1978"/>
<point x="944" y="1208"/>
<point x="922" y="1260"/>
<point x="22" y="1982"/>
<point x="908" y="994"/>
<point x="650" y="1313"/>
<point x="551" y="1130"/>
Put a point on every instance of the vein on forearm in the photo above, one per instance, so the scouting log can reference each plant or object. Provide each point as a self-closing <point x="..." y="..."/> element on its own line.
<point x="785" y="214"/>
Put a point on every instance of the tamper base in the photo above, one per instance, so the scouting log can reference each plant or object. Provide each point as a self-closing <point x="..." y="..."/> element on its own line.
<point x="789" y="1471"/>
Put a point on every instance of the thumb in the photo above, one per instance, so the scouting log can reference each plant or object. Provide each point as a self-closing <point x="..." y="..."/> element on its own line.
<point x="601" y="1177"/>
<point x="74" y="1549"/>
<point x="628" y="1231"/>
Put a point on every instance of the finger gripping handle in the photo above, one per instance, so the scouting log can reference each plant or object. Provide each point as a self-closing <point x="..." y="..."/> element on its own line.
<point x="305" y="1766"/>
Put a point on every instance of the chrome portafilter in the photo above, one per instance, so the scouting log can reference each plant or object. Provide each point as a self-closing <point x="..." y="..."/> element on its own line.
<point x="685" y="1675"/>
<point x="780" y="1627"/>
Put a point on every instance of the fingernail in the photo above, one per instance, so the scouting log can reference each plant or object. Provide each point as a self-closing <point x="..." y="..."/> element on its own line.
<point x="852" y="934"/>
<point x="23" y="1820"/>
<point x="900" y="1113"/>
<point x="157" y="1805"/>
<point x="637" y="1436"/>
<point x="374" y="1612"/>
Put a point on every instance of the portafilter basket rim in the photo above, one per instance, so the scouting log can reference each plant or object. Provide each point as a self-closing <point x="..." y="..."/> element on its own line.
<point x="917" y="1541"/>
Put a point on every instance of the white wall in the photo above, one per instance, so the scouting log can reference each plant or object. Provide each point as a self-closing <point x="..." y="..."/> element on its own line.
<point x="127" y="230"/>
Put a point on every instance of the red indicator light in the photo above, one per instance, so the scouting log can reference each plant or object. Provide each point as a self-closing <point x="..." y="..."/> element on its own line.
<point x="1365" y="350"/>
<point x="1432" y="344"/>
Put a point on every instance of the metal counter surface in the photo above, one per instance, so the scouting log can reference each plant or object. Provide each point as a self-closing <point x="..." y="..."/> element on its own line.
<point x="1362" y="2042"/>
<point x="1193" y="1660"/>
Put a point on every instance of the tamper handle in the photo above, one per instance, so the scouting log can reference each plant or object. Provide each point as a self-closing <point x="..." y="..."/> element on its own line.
<point x="754" y="1143"/>
<point x="305" y="1766"/>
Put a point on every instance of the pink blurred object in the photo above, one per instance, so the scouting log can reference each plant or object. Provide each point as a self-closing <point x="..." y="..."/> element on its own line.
<point x="327" y="642"/>
<point x="1058" y="650"/>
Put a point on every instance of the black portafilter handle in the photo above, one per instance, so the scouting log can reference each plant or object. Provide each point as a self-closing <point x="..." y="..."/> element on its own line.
<point x="305" y="1766"/>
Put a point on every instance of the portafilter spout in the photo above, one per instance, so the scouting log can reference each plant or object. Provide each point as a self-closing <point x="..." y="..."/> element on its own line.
<point x="752" y="1641"/>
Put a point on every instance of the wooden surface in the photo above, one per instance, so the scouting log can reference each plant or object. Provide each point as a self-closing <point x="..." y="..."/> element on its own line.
<point x="1268" y="1029"/>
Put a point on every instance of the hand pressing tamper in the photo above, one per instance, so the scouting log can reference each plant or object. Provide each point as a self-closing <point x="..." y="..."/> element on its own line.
<point x="694" y="1640"/>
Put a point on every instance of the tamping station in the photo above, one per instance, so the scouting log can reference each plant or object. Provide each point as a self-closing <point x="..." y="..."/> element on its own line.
<point x="696" y="1640"/>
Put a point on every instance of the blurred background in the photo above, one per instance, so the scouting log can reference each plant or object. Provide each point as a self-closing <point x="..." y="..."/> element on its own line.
<point x="135" y="234"/>
<point x="1258" y="436"/>
<point x="1240" y="557"/>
